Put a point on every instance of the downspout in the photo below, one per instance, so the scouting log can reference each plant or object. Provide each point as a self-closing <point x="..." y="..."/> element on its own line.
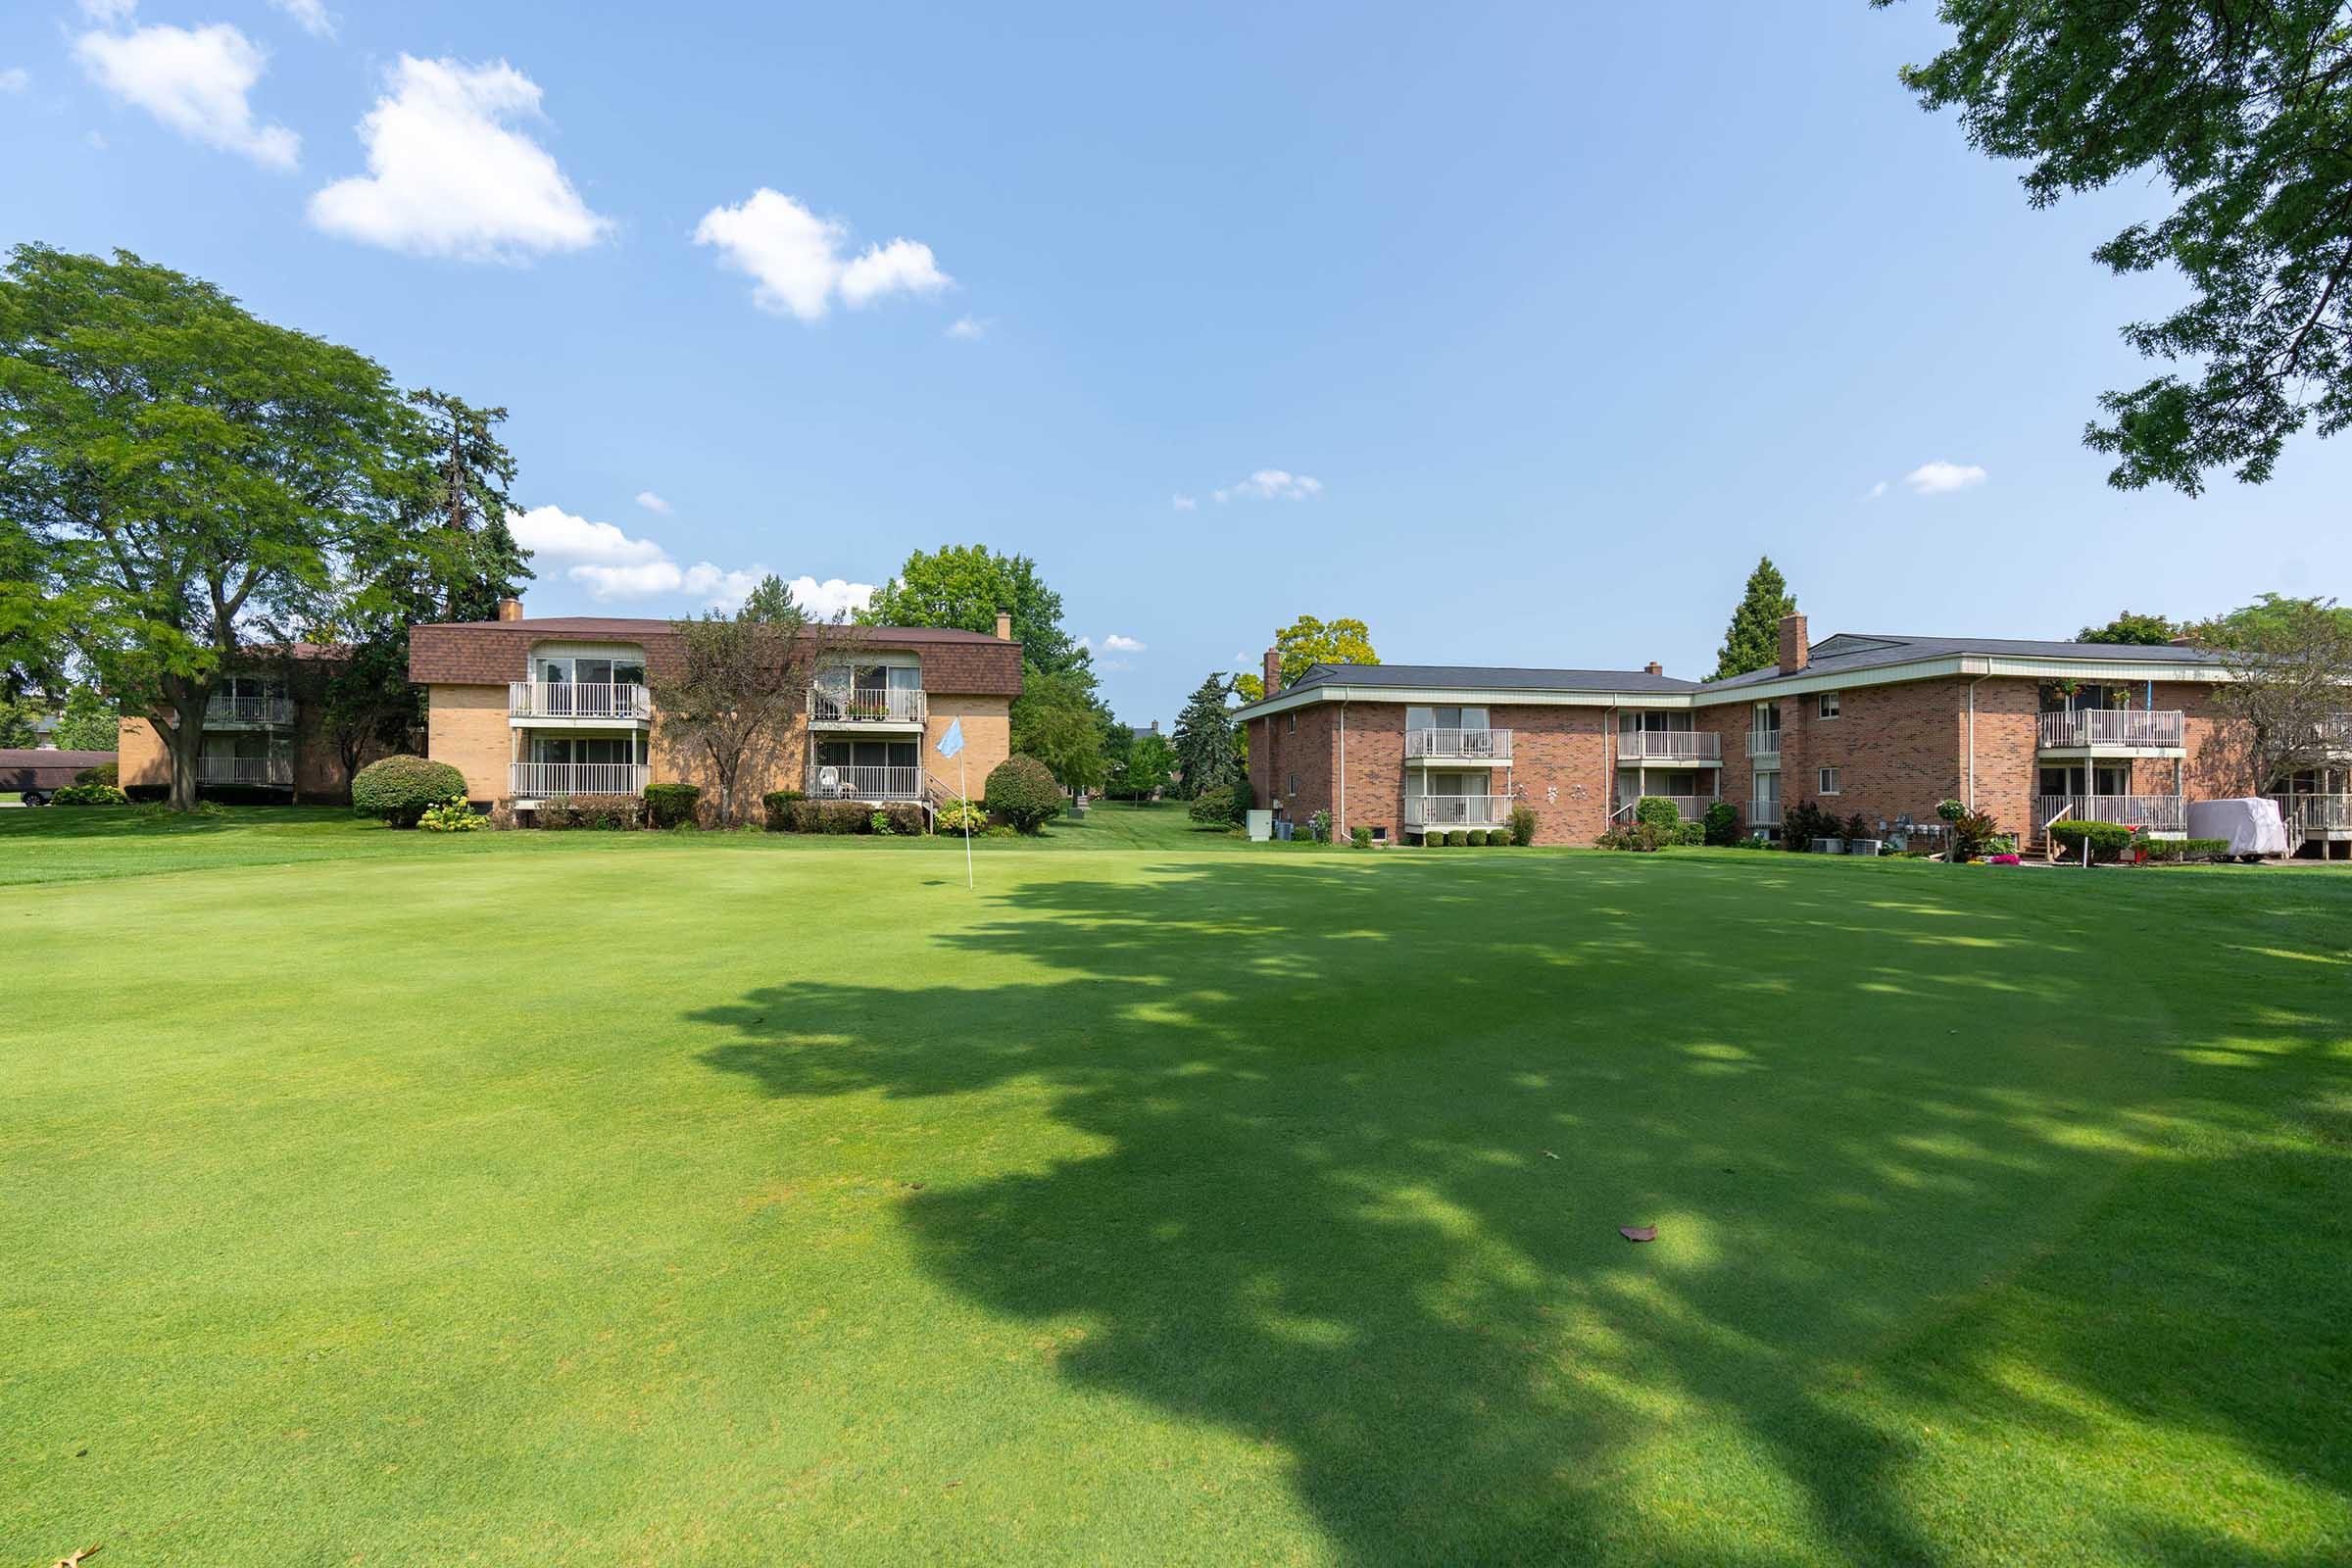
<point x="1972" y="741"/>
<point x="1343" y="823"/>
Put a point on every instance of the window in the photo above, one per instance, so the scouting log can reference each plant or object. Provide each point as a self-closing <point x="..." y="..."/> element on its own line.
<point x="1294" y="722"/>
<point x="1294" y="789"/>
<point x="1445" y="718"/>
<point x="1829" y="705"/>
<point x="1831" y="779"/>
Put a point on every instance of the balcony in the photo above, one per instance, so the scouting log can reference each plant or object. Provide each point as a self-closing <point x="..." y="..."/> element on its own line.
<point x="842" y="783"/>
<point x="1763" y="813"/>
<point x="2158" y="814"/>
<point x="1764" y="746"/>
<point x="1457" y="811"/>
<point x="1683" y="746"/>
<point x="222" y="710"/>
<point x="247" y="772"/>
<point x="2112" y="729"/>
<point x="866" y="705"/>
<point x="2318" y="816"/>
<point x="1458" y="744"/>
<point x="1691" y="808"/>
<point x="2336" y="734"/>
<point x="623" y="701"/>
<point x="539" y="781"/>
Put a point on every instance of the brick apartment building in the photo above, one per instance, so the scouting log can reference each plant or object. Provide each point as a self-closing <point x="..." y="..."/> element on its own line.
<point x="532" y="709"/>
<point x="1881" y="727"/>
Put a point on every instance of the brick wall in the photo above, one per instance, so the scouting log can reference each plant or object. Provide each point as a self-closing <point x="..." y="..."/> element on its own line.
<point x="465" y="726"/>
<point x="986" y="738"/>
<point x="1561" y="768"/>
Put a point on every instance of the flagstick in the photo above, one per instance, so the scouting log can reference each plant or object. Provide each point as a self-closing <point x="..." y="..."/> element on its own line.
<point x="963" y="788"/>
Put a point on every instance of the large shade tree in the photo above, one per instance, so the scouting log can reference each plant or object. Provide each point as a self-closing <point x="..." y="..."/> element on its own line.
<point x="2237" y="115"/>
<point x="2289" y="687"/>
<point x="1307" y="642"/>
<point x="193" y="476"/>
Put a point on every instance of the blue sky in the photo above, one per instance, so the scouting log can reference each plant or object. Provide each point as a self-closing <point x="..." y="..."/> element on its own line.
<point x="1567" y="313"/>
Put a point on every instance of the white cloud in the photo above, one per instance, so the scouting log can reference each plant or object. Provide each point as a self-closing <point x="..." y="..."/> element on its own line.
<point x="1941" y="478"/>
<point x="310" y="16"/>
<point x="95" y="139"/>
<point x="449" y="174"/>
<point x="1116" y="644"/>
<point x="1271" y="484"/>
<point x="16" y="78"/>
<point x="1184" y="503"/>
<point x="612" y="564"/>
<point x="194" y="81"/>
<point x="106" y="12"/>
<point x="1875" y="491"/>
<point x="653" y="503"/>
<point x="967" y="330"/>
<point x="795" y="261"/>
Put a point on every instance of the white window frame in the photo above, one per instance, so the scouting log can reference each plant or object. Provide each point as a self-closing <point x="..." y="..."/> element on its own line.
<point x="1832" y="781"/>
<point x="1831" y="704"/>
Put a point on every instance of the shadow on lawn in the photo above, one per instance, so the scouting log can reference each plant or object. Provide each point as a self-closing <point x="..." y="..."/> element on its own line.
<point x="1368" y="1141"/>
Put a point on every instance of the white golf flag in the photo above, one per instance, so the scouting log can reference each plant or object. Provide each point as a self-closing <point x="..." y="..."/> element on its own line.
<point x="952" y="740"/>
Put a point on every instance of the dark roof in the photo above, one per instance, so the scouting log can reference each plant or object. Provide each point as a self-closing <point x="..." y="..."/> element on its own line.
<point x="1488" y="677"/>
<point x="1855" y="651"/>
<point x="489" y="652"/>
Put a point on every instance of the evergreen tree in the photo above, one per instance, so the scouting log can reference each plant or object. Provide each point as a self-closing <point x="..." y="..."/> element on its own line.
<point x="1752" y="641"/>
<point x="1204" y="738"/>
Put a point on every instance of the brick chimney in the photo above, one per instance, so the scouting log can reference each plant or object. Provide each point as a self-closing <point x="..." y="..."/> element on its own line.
<point x="510" y="608"/>
<point x="1003" y="626"/>
<point x="1273" y="672"/>
<point x="1653" y="667"/>
<point x="1794" y="648"/>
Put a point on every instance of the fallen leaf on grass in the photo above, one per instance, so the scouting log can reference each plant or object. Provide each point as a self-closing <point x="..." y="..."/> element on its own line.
<point x="1549" y="1154"/>
<point x="80" y="1557"/>
<point x="1639" y="1233"/>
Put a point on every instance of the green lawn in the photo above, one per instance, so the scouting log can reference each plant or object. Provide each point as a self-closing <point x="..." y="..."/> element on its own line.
<point x="635" y="1199"/>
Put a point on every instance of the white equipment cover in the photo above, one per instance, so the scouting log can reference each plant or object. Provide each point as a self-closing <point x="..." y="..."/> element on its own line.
<point x="1261" y="826"/>
<point x="2252" y="826"/>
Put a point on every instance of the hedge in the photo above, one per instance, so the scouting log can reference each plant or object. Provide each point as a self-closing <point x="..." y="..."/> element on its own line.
<point x="671" y="804"/>
<point x="2107" y="840"/>
<point x="605" y="812"/>
<point x="2185" y="849"/>
<point x="88" y="795"/>
<point x="397" y="790"/>
<point x="777" y="805"/>
<point x="1658" y="811"/>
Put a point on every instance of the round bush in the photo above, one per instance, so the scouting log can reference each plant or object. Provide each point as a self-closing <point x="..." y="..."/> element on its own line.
<point x="102" y="774"/>
<point x="671" y="804"/>
<point x="397" y="789"/>
<point x="1021" y="790"/>
<point x="1478" y="838"/>
<point x="1456" y="839"/>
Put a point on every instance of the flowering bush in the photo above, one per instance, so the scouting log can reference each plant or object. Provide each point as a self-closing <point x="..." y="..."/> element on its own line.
<point x="961" y="816"/>
<point x="452" y="816"/>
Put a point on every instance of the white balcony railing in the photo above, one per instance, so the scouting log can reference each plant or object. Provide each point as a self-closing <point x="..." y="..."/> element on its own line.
<point x="223" y="708"/>
<point x="2159" y="813"/>
<point x="1669" y="746"/>
<point x="2088" y="728"/>
<point x="565" y="699"/>
<point x="1480" y="745"/>
<point x="839" y="783"/>
<point x="866" y="705"/>
<point x="1763" y="813"/>
<point x="1763" y="743"/>
<point x="250" y="772"/>
<point x="538" y="781"/>
<point x="1457" y="811"/>
<point x="2335" y="732"/>
<point x="1691" y="808"/>
<point x="2317" y="814"/>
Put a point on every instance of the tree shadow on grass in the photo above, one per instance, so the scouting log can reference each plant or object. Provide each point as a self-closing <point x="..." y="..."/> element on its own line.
<point x="1367" y="1138"/>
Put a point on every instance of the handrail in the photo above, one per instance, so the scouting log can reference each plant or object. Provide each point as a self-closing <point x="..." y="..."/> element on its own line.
<point x="566" y="698"/>
<point x="849" y="783"/>
<point x="2086" y="727"/>
<point x="1670" y="745"/>
<point x="267" y="772"/>
<point x="541" y="779"/>
<point x="225" y="707"/>
<point x="1457" y="811"/>
<point x="857" y="705"/>
<point x="1480" y="743"/>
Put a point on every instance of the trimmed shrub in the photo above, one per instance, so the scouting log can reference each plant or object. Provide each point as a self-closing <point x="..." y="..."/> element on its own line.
<point x="1657" y="812"/>
<point x="100" y="773"/>
<point x="2107" y="840"/>
<point x="1497" y="836"/>
<point x="1021" y="790"/>
<point x="906" y="816"/>
<point x="1478" y="838"/>
<point x="1642" y="837"/>
<point x="2174" y="851"/>
<point x="88" y="795"/>
<point x="777" y="806"/>
<point x="452" y="817"/>
<point x="671" y="804"/>
<point x="834" y="817"/>
<point x="595" y="813"/>
<point x="398" y="789"/>
<point x="1456" y="839"/>
<point x="959" y="816"/>
<point x="1360" y="837"/>
<point x="1212" y="807"/>
<point x="1689" y="833"/>
<point x="1523" y="824"/>
<point x="1722" y="824"/>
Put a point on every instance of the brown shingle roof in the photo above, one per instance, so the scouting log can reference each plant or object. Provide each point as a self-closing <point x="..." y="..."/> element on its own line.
<point x="485" y="653"/>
